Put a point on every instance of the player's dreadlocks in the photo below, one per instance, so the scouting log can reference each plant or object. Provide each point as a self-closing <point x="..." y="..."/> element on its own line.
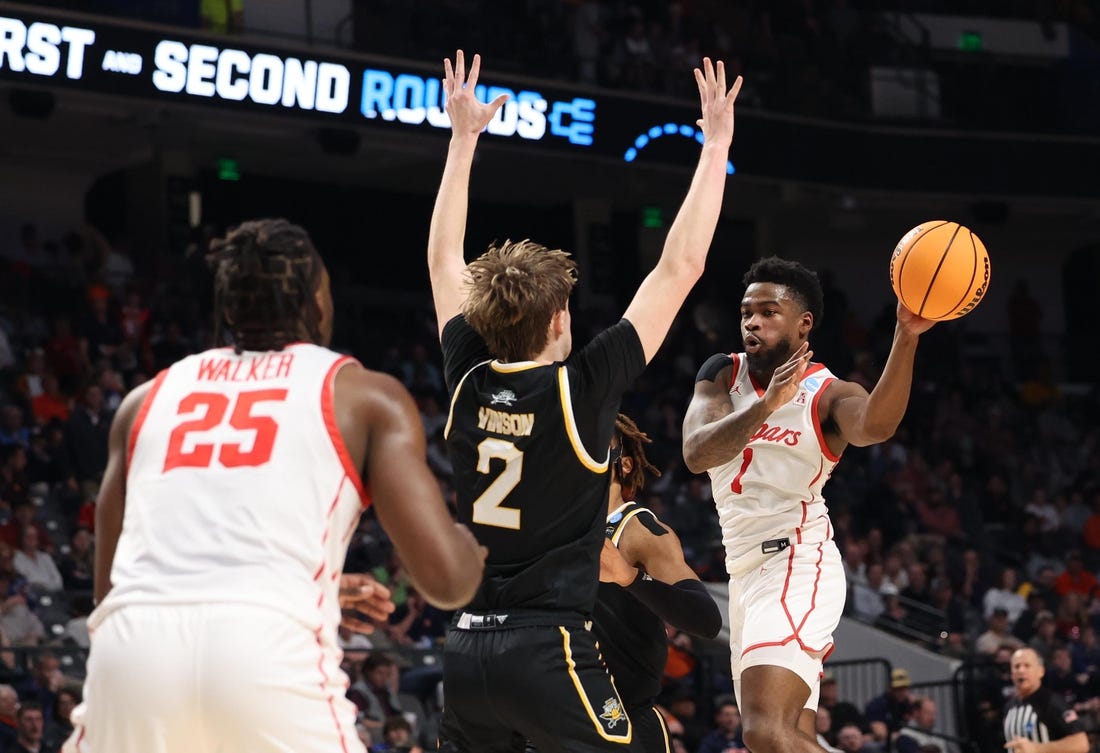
<point x="632" y="441"/>
<point x="266" y="274"/>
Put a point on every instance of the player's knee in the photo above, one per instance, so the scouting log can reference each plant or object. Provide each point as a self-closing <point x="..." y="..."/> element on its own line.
<point x="765" y="736"/>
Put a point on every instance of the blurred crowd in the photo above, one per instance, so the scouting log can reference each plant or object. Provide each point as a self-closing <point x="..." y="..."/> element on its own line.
<point x="976" y="529"/>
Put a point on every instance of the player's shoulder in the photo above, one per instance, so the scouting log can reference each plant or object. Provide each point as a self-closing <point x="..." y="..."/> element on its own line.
<point x="716" y="366"/>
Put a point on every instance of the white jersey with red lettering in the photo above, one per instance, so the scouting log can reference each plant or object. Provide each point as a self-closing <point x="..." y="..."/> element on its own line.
<point x="772" y="490"/>
<point x="239" y="489"/>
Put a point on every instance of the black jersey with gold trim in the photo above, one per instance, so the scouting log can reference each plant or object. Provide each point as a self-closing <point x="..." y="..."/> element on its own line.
<point x="529" y="445"/>
<point x="632" y="639"/>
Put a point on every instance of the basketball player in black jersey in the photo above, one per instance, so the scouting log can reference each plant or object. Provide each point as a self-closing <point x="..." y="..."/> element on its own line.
<point x="645" y="583"/>
<point x="528" y="433"/>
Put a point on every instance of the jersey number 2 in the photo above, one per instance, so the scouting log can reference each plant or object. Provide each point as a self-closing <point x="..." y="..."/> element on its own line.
<point x="229" y="455"/>
<point x="489" y="509"/>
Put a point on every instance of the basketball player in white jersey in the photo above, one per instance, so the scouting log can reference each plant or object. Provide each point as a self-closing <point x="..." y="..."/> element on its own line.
<point x="234" y="483"/>
<point x="769" y="426"/>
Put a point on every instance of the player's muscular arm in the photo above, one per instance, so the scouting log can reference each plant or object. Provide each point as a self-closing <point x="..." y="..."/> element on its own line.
<point x="111" y="501"/>
<point x="863" y="419"/>
<point x="446" y="263"/>
<point x="663" y="291"/>
<point x="442" y="557"/>
<point x="672" y="590"/>
<point x="713" y="433"/>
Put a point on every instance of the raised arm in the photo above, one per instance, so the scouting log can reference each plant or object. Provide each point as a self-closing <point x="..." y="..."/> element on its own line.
<point x="663" y="291"/>
<point x="110" y="504"/>
<point x="713" y="433"/>
<point x="446" y="262"/>
<point x="863" y="419"/>
<point x="442" y="557"/>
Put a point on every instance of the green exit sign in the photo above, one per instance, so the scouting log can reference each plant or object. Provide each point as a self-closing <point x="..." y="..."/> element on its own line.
<point x="228" y="169"/>
<point x="970" y="41"/>
<point x="653" y="217"/>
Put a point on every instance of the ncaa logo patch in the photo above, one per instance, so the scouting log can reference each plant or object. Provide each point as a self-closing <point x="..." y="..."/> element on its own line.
<point x="812" y="384"/>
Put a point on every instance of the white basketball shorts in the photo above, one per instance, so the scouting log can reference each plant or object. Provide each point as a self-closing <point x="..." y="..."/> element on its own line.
<point x="784" y="609"/>
<point x="207" y="678"/>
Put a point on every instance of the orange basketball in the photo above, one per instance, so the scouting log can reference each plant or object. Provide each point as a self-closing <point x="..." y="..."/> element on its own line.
<point x="940" y="270"/>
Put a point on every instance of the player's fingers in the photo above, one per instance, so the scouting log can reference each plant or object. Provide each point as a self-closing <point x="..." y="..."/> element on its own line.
<point x="721" y="76"/>
<point x="701" y="82"/>
<point x="356" y="625"/>
<point x="460" y="69"/>
<point x="475" y="71"/>
<point x="731" y="97"/>
<point x="497" y="103"/>
<point x="448" y="70"/>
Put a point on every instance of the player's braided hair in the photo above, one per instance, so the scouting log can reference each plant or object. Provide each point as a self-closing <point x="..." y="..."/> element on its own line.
<point x="632" y="441"/>
<point x="266" y="274"/>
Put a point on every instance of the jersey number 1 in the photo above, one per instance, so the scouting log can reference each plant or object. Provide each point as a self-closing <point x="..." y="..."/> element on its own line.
<point x="735" y="486"/>
<point x="489" y="509"/>
<point x="230" y="455"/>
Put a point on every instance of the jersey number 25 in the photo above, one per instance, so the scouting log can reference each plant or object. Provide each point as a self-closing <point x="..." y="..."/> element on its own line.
<point x="230" y="454"/>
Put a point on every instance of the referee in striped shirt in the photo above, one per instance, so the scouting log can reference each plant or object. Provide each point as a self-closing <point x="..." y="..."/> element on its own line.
<point x="1036" y="720"/>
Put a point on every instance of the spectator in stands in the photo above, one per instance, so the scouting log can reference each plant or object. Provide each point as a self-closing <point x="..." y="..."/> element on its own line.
<point x="726" y="735"/>
<point x="30" y="727"/>
<point x="42" y="685"/>
<point x="376" y="695"/>
<point x="58" y="727"/>
<point x="868" y="596"/>
<point x="951" y="627"/>
<point x="1071" y="616"/>
<point x="1062" y="680"/>
<point x="9" y="708"/>
<point x="841" y="712"/>
<point x="50" y="405"/>
<point x="895" y="617"/>
<point x="77" y="565"/>
<point x="13" y="429"/>
<point x="14" y="484"/>
<point x="1075" y="577"/>
<point x="1086" y="653"/>
<point x="850" y="740"/>
<point x="17" y="622"/>
<point x="919" y="731"/>
<point x="1043" y="584"/>
<point x="996" y="634"/>
<point x="1006" y="596"/>
<point x="86" y="434"/>
<point x="823" y="724"/>
<point x="681" y="712"/>
<point x="22" y="517"/>
<point x="34" y="564"/>
<point x="887" y="713"/>
<point x="1024" y="628"/>
<point x="1045" y="639"/>
<point x="397" y="733"/>
<point x="919" y="589"/>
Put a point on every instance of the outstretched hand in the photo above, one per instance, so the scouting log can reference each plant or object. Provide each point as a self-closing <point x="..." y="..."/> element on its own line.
<point x="911" y="323"/>
<point x="786" y="378"/>
<point x="716" y="102"/>
<point x="361" y="594"/>
<point x="469" y="117"/>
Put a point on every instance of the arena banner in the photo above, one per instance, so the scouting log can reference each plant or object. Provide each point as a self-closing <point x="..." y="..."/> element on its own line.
<point x="40" y="48"/>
